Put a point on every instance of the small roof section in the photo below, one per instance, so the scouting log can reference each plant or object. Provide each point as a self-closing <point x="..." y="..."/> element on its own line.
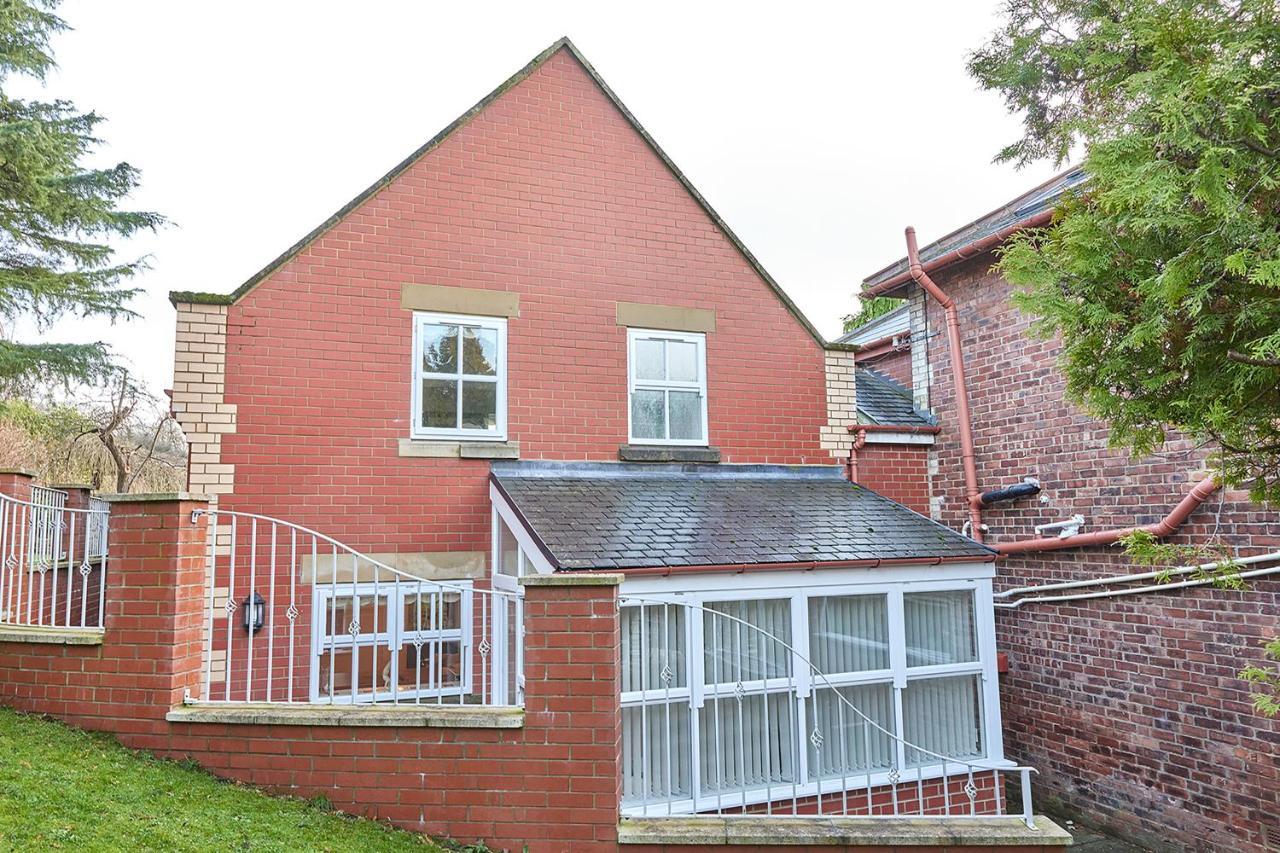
<point x="895" y="322"/>
<point x="610" y="516"/>
<point x="881" y="400"/>
<point x="1041" y="198"/>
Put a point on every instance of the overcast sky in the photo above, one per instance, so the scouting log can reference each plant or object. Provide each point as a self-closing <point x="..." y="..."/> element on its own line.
<point x="817" y="131"/>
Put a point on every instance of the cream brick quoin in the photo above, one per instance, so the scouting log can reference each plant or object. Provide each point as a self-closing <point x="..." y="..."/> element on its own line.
<point x="199" y="370"/>
<point x="842" y="407"/>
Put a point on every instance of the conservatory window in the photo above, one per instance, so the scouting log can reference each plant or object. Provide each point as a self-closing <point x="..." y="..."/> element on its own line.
<point x="722" y="696"/>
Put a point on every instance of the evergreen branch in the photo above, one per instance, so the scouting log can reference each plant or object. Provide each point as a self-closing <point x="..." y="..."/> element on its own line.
<point x="23" y="366"/>
<point x="1256" y="361"/>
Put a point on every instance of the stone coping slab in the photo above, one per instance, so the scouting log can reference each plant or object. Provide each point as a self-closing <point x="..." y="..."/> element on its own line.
<point x="275" y="714"/>
<point x="52" y="636"/>
<point x="153" y="497"/>
<point x="882" y="832"/>
<point x="573" y="579"/>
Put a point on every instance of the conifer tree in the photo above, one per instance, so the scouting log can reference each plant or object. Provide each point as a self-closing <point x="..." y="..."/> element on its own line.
<point x="57" y="215"/>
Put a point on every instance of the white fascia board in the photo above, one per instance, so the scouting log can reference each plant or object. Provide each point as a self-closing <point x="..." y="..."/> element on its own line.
<point x="917" y="577"/>
<point x="898" y="437"/>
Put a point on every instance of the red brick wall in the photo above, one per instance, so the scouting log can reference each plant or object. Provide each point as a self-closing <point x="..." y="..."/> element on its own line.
<point x="548" y="193"/>
<point x="1130" y="707"/>
<point x="896" y="365"/>
<point x="553" y="784"/>
<point x="897" y="471"/>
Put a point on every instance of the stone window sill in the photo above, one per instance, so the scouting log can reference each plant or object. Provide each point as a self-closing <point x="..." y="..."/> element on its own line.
<point x="429" y="449"/>
<point x="271" y="714"/>
<point x="52" y="636"/>
<point x="880" y="833"/>
<point x="667" y="453"/>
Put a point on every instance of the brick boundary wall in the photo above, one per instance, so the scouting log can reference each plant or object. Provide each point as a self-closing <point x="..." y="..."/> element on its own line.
<point x="553" y="784"/>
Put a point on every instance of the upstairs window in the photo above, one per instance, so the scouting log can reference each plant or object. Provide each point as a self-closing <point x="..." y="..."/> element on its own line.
<point x="668" y="387"/>
<point x="459" y="377"/>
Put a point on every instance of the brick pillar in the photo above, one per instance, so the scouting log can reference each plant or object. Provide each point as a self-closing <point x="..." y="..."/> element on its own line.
<point x="155" y="599"/>
<point x="77" y="494"/>
<point x="572" y="668"/>
<point x="16" y="483"/>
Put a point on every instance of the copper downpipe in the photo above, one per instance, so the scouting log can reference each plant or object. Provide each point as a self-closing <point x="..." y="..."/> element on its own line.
<point x="920" y="274"/>
<point x="967" y="459"/>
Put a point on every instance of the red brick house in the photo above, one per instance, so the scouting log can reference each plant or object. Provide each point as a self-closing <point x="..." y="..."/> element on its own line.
<point x="524" y="446"/>
<point x="1126" y="697"/>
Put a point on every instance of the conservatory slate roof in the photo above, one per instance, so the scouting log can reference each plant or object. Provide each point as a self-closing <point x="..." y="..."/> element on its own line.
<point x="881" y="400"/>
<point x="617" y="516"/>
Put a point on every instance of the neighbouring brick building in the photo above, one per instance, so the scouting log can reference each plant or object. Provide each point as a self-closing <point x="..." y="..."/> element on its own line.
<point x="1129" y="705"/>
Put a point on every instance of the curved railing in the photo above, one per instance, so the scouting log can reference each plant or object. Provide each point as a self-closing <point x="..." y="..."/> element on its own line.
<point x="53" y="561"/>
<point x="295" y="616"/>
<point x="775" y="757"/>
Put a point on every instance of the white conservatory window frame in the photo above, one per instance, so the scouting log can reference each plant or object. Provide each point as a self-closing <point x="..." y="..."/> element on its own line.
<point x="897" y="674"/>
<point x="416" y="429"/>
<point x="634" y="384"/>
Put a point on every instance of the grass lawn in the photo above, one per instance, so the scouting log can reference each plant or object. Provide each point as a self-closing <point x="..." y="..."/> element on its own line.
<point x="61" y="788"/>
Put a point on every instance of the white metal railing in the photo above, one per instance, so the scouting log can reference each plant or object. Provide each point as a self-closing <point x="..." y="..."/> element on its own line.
<point x="295" y="616"/>
<point x="742" y="723"/>
<point x="53" y="561"/>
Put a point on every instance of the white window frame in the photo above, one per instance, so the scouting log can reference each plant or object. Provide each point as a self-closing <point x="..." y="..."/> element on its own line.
<point x="391" y="633"/>
<point x="898" y="674"/>
<point x="634" y="384"/>
<point x="496" y="324"/>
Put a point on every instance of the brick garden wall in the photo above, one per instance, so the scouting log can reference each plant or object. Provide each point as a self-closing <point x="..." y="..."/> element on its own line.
<point x="548" y="193"/>
<point x="553" y="784"/>
<point x="1130" y="707"/>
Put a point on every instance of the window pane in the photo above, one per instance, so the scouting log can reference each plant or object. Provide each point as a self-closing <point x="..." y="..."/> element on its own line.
<point x="734" y="651"/>
<point x="647" y="414"/>
<point x="370" y="670"/>
<point x="432" y="666"/>
<point x="850" y="744"/>
<point x="747" y="742"/>
<point x="653" y="648"/>
<point x="848" y="633"/>
<point x="439" y="349"/>
<point x="439" y="403"/>
<point x="347" y="612"/>
<point x="432" y="610"/>
<point x="686" y="414"/>
<point x="939" y="627"/>
<point x="508" y="551"/>
<point x="682" y="361"/>
<point x="942" y="715"/>
<point x="656" y="752"/>
<point x="480" y="352"/>
<point x="479" y="405"/>
<point x="648" y="355"/>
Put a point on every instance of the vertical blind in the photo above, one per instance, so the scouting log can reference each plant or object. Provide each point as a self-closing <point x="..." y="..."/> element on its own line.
<point x="942" y="715"/>
<point x="752" y="728"/>
<point x="848" y="633"/>
<point x="939" y="627"/>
